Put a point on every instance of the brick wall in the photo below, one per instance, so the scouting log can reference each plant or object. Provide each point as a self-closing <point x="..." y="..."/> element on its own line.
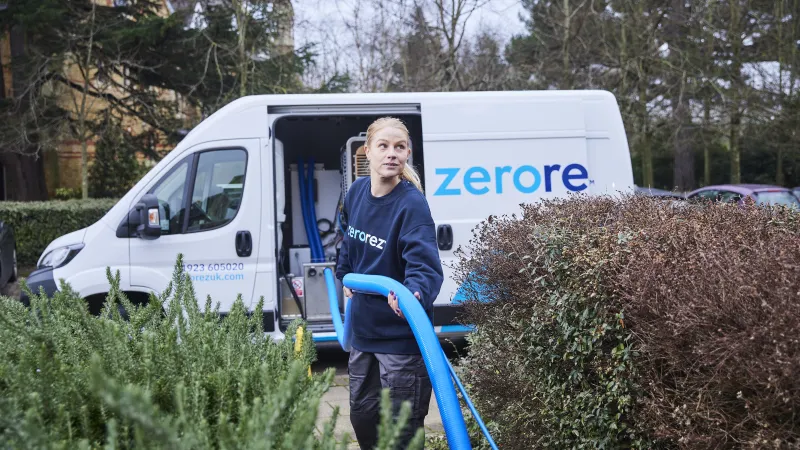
<point x="63" y="166"/>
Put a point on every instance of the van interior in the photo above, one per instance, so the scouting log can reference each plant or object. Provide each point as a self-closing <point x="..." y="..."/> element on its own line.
<point x="334" y="144"/>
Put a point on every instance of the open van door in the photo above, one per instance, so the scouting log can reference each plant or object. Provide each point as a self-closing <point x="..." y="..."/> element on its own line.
<point x="209" y="209"/>
<point x="487" y="154"/>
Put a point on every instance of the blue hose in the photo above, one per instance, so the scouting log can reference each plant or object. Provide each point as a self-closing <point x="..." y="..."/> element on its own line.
<point x="312" y="210"/>
<point x="301" y="184"/>
<point x="304" y="204"/>
<point x="343" y="331"/>
<point x="453" y="420"/>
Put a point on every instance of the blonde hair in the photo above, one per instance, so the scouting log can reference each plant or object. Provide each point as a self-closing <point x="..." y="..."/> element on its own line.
<point x="409" y="173"/>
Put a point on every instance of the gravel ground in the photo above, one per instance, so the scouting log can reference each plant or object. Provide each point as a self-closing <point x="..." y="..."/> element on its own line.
<point x="11" y="290"/>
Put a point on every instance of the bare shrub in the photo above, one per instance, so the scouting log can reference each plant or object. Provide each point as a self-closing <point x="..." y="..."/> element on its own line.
<point x="636" y="322"/>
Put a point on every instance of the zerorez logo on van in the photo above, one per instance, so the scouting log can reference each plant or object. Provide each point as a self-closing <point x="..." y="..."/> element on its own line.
<point x="526" y="179"/>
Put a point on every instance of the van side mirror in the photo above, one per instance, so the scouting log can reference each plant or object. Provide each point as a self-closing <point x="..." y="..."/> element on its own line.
<point x="149" y="226"/>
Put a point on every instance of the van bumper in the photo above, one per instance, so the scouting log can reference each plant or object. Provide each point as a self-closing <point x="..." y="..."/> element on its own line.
<point x="41" y="278"/>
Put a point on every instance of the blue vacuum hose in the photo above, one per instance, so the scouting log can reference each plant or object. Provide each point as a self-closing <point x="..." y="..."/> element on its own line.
<point x="304" y="204"/>
<point x="438" y="367"/>
<point x="343" y="330"/>
<point x="312" y="210"/>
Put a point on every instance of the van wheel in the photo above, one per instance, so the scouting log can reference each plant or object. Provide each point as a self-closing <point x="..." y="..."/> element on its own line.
<point x="95" y="303"/>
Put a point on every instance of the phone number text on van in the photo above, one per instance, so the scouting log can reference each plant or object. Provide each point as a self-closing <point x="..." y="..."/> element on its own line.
<point x="213" y="267"/>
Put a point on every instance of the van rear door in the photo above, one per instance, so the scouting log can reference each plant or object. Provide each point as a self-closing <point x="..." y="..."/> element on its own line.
<point x="487" y="154"/>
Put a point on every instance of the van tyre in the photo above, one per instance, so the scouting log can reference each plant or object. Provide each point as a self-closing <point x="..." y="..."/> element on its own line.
<point x="95" y="303"/>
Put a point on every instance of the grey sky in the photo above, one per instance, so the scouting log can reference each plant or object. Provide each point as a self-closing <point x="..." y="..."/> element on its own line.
<point x="325" y="22"/>
<point x="500" y="15"/>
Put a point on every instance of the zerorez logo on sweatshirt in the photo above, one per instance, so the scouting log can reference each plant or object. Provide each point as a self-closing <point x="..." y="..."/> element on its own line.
<point x="370" y="239"/>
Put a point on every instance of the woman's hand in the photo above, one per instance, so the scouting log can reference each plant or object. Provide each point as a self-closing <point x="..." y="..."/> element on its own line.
<point x="347" y="292"/>
<point x="395" y="305"/>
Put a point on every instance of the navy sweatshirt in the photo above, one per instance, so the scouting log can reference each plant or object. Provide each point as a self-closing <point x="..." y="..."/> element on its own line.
<point x="393" y="236"/>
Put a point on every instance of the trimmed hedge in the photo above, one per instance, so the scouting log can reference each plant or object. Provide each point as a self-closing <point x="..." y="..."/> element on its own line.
<point x="636" y="323"/>
<point x="36" y="224"/>
<point x="170" y="377"/>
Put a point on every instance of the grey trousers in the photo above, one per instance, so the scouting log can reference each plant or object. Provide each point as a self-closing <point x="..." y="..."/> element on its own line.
<point x="407" y="380"/>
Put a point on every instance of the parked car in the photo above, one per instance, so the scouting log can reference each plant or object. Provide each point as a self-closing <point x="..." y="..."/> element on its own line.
<point x="796" y="192"/>
<point x="8" y="255"/>
<point x="762" y="194"/>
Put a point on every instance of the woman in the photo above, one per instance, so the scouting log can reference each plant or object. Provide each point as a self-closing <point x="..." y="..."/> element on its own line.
<point x="390" y="232"/>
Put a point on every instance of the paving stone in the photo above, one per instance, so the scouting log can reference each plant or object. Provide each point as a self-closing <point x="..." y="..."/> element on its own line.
<point x="342" y="380"/>
<point x="337" y="394"/>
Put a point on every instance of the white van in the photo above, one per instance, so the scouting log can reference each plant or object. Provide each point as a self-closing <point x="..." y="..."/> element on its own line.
<point x="479" y="154"/>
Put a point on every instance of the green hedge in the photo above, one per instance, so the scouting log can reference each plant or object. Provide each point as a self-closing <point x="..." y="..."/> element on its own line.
<point x="170" y="377"/>
<point x="636" y="323"/>
<point x="36" y="224"/>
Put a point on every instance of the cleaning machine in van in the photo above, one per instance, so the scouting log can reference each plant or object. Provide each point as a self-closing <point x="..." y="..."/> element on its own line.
<point x="252" y="197"/>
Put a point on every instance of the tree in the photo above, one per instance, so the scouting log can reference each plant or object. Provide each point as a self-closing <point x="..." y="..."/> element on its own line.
<point x="680" y="92"/>
<point x="780" y="35"/>
<point x="160" y="74"/>
<point x="115" y="168"/>
<point x="562" y="43"/>
<point x="69" y="72"/>
<point x="78" y="61"/>
<point x="377" y="31"/>
<point x="419" y="66"/>
<point x="435" y="55"/>
<point x="735" y="77"/>
<point x="24" y="119"/>
<point x="233" y="48"/>
<point x="483" y="67"/>
<point x="633" y="58"/>
<point x="451" y="23"/>
<point x="708" y="86"/>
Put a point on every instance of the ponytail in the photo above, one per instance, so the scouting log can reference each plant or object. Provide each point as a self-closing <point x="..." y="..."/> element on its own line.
<point x="410" y="174"/>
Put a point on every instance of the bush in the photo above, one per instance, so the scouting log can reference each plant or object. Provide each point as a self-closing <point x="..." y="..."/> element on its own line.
<point x="170" y="377"/>
<point x="36" y="224"/>
<point x="633" y="323"/>
<point x="67" y="194"/>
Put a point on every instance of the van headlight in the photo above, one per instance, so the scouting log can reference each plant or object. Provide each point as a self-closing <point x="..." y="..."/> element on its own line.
<point x="59" y="256"/>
